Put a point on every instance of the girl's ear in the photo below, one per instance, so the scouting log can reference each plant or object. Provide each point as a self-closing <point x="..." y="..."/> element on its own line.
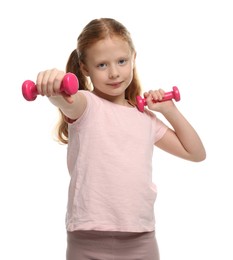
<point x="84" y="69"/>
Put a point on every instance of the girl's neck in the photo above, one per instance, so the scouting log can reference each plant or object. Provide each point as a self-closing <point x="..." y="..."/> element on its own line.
<point x="119" y="100"/>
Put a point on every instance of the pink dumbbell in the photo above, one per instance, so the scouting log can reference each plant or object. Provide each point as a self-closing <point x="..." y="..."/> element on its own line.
<point x="69" y="85"/>
<point x="141" y="102"/>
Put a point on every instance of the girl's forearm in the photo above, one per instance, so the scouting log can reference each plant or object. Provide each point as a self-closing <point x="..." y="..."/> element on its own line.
<point x="72" y="106"/>
<point x="185" y="132"/>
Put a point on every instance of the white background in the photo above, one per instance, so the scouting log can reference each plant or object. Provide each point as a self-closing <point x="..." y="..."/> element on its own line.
<point x="184" y="43"/>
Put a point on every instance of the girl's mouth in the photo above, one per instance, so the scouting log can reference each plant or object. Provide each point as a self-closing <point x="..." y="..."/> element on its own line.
<point x="115" y="84"/>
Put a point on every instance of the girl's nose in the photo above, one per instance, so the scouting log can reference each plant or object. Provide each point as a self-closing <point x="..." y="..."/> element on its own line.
<point x="113" y="73"/>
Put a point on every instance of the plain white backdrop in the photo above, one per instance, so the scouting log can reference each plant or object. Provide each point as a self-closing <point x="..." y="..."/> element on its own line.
<point x="184" y="43"/>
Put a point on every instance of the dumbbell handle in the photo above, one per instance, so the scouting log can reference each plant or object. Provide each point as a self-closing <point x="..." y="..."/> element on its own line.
<point x="174" y="94"/>
<point x="69" y="85"/>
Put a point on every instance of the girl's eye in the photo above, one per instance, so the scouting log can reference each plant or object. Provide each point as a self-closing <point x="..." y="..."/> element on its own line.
<point x="102" y="66"/>
<point x="122" y="61"/>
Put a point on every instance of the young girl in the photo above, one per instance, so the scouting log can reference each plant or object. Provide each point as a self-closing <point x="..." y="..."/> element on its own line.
<point x="110" y="212"/>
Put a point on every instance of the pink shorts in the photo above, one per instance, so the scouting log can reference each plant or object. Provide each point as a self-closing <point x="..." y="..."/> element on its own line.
<point x="101" y="245"/>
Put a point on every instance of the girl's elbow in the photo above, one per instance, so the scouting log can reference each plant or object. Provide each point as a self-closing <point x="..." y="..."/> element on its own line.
<point x="201" y="156"/>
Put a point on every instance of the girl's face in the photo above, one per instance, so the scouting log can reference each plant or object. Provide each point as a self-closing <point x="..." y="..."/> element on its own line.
<point x="109" y="64"/>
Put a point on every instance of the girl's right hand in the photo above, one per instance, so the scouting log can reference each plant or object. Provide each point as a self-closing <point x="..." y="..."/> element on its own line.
<point x="48" y="84"/>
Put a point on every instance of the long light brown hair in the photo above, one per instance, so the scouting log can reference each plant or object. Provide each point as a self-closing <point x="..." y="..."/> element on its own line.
<point x="94" y="31"/>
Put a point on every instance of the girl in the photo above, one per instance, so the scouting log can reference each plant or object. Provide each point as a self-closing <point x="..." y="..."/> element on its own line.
<point x="110" y="212"/>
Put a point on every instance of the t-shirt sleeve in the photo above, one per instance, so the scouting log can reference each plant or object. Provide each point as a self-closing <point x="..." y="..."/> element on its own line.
<point x="159" y="128"/>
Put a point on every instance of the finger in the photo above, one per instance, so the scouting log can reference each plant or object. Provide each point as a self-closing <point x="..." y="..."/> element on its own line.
<point x="56" y="81"/>
<point x="39" y="82"/>
<point x="149" y="98"/>
<point x="156" y="95"/>
<point x="42" y="82"/>
<point x="161" y="92"/>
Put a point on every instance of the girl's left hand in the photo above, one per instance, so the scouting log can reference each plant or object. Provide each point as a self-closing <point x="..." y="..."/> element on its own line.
<point x="154" y="98"/>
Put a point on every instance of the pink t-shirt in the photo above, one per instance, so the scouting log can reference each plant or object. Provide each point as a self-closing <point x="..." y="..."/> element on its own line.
<point x="110" y="162"/>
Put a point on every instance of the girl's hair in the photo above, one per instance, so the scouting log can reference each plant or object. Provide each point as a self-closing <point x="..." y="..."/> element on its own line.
<point x="94" y="31"/>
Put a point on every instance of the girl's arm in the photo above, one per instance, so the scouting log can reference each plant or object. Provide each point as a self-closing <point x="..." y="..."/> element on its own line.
<point x="48" y="84"/>
<point x="182" y="141"/>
